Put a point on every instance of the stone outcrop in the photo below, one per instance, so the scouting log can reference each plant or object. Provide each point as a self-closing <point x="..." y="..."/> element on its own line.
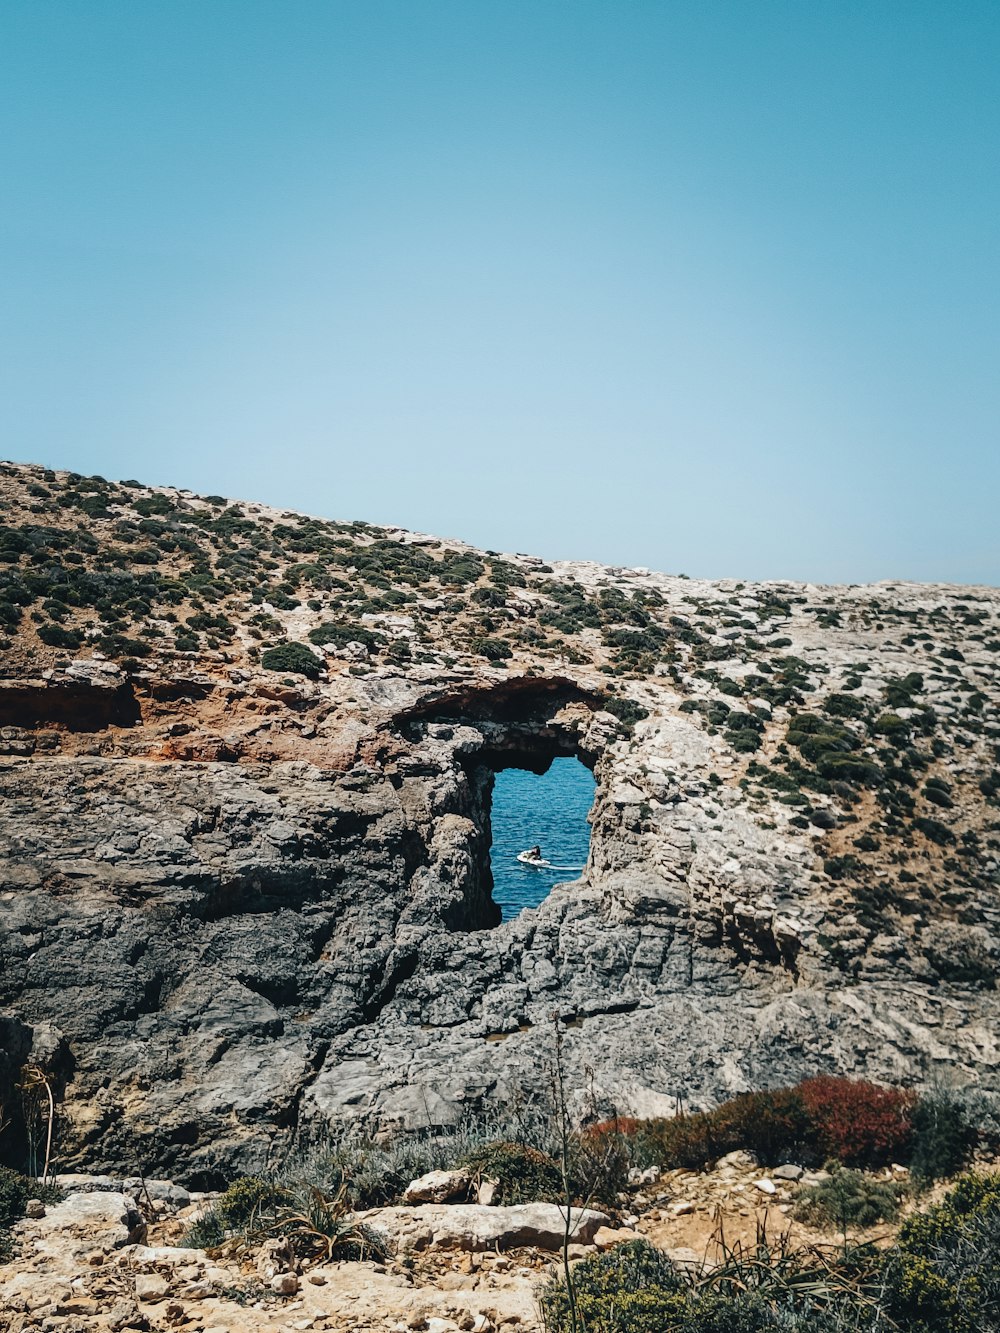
<point x="239" y="904"/>
<point x="470" y="1226"/>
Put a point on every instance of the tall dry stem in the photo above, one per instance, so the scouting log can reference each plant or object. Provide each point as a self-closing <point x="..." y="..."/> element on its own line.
<point x="33" y="1078"/>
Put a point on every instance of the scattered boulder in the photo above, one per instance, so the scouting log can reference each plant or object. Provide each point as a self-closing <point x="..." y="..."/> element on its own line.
<point x="477" y="1227"/>
<point x="439" y="1187"/>
<point x="150" y="1287"/>
<point x="787" y="1171"/>
<point x="285" y="1284"/>
<point x="274" y="1258"/>
<point x="606" y="1238"/>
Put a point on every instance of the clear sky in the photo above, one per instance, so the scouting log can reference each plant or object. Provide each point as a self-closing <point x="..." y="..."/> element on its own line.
<point x="710" y="287"/>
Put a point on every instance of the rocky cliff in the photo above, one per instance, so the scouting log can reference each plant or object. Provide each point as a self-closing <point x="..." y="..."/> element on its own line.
<point x="246" y="776"/>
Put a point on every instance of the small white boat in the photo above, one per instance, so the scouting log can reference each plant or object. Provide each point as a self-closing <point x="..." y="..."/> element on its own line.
<point x="539" y="862"/>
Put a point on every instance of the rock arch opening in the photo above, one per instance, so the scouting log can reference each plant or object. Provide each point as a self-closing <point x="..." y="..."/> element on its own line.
<point x="527" y="750"/>
<point x="545" y="810"/>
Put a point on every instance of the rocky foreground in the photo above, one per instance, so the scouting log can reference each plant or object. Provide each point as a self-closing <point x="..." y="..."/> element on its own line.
<point x="106" y="1258"/>
<point x="246" y="777"/>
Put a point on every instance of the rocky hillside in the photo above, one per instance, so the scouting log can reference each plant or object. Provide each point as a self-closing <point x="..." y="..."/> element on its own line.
<point x="248" y="758"/>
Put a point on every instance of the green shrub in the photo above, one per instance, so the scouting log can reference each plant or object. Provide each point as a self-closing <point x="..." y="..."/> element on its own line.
<point x="249" y="1205"/>
<point x="14" y="1194"/>
<point x="944" y="1274"/>
<point x="489" y="597"/>
<point x="892" y="726"/>
<point x="934" y="830"/>
<point x="494" y="650"/>
<point x="632" y="1288"/>
<point x="205" y="1233"/>
<point x="848" y="1199"/>
<point x="627" y="711"/>
<point x="938" y="792"/>
<point x="340" y="634"/>
<point x="843" y="705"/>
<point x="291" y="658"/>
<point x="635" y="1289"/>
<point x="57" y="636"/>
<point x="839" y="867"/>
<point x="943" y="1138"/>
<point x="247" y="1200"/>
<point x="899" y="693"/>
<point x="523" y="1174"/>
<point x="119" y="645"/>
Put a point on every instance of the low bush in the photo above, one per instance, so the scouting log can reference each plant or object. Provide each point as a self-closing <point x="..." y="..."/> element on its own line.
<point x="599" y="1162"/>
<point x="941" y="1276"/>
<point x="843" y="705"/>
<point x="892" y="726"/>
<point x="775" y="1126"/>
<point x="858" y="1123"/>
<point x="14" y="1194"/>
<point x="494" y="650"/>
<point x="627" y="711"/>
<point x="342" y="633"/>
<point x="772" y="1125"/>
<point x="58" y="636"/>
<point x="316" y="1223"/>
<point x="291" y="658"/>
<point x="248" y="1200"/>
<point x="944" y="1272"/>
<point x="848" y="1199"/>
<point x="943" y="1138"/>
<point x="636" y="1289"/>
<point x="630" y="1289"/>
<point x="934" y="830"/>
<point x="523" y="1174"/>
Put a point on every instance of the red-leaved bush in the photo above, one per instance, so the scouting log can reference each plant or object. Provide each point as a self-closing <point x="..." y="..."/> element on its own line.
<point x="859" y="1124"/>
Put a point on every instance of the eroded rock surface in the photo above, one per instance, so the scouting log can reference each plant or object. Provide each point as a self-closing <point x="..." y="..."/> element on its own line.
<point x="238" y="904"/>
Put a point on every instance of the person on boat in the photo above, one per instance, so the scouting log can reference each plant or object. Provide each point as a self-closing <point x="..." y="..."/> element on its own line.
<point x="535" y="853"/>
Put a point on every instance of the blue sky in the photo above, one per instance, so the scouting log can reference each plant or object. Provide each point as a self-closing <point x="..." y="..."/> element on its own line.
<point x="710" y="287"/>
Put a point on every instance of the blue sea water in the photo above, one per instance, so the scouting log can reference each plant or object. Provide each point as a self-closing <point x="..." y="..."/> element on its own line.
<point x="549" y="809"/>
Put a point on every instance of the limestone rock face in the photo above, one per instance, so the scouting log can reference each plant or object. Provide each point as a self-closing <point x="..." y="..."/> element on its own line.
<point x="238" y="904"/>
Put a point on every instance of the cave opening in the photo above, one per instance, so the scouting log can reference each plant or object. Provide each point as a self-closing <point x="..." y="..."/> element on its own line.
<point x="547" y="810"/>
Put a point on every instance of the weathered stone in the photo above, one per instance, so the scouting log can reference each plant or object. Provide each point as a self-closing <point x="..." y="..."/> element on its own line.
<point x="438" y="1187"/>
<point x="273" y="1258"/>
<point x="475" y="1227"/>
<point x="787" y="1171"/>
<point x="285" y="1284"/>
<point x="125" y="1314"/>
<point x="150" y="1287"/>
<point x="606" y="1238"/>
